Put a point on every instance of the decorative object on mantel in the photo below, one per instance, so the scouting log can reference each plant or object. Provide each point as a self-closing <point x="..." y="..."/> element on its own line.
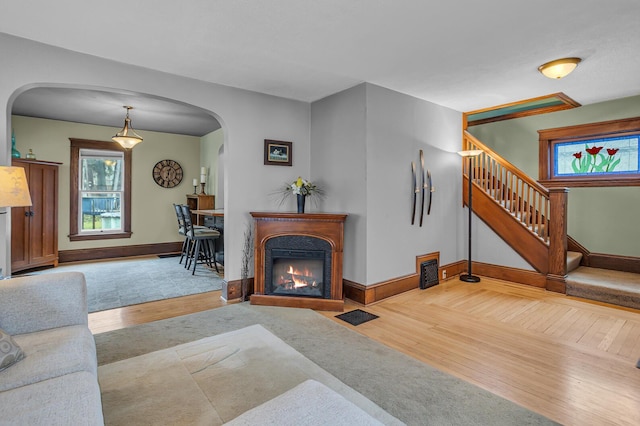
<point x="302" y="189"/>
<point x="14" y="151"/>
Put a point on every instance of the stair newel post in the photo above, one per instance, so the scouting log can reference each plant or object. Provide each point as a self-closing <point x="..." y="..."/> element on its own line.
<point x="556" y="277"/>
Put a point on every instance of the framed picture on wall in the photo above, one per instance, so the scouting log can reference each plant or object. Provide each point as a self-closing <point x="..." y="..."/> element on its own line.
<point x="277" y="153"/>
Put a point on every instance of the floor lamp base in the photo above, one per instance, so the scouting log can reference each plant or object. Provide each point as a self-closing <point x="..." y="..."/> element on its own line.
<point x="469" y="278"/>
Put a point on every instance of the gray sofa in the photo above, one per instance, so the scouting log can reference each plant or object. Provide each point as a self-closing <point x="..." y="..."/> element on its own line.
<point x="56" y="383"/>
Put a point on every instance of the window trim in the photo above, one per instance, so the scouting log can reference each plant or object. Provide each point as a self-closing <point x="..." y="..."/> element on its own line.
<point x="76" y="145"/>
<point x="604" y="129"/>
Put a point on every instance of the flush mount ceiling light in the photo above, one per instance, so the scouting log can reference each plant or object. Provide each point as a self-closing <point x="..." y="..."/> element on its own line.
<point x="559" y="68"/>
<point x="127" y="137"/>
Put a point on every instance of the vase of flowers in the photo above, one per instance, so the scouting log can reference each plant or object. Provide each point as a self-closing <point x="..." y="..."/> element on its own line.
<point x="302" y="189"/>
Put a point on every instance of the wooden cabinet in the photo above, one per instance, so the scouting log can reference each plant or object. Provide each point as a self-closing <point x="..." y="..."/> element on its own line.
<point x="200" y="202"/>
<point x="34" y="230"/>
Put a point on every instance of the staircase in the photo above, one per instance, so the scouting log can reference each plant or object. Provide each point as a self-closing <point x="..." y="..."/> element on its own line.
<point x="529" y="217"/>
<point x="532" y="220"/>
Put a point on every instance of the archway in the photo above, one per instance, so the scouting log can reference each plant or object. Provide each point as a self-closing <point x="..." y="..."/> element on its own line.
<point x="146" y="105"/>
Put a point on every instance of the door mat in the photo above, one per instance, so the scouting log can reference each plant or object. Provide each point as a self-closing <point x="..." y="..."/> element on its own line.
<point x="356" y="317"/>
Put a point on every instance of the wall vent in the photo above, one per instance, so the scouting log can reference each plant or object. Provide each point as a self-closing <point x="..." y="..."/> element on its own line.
<point x="429" y="273"/>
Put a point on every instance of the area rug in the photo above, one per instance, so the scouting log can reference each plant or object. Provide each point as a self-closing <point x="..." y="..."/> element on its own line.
<point x="213" y="380"/>
<point x="409" y="390"/>
<point x="124" y="282"/>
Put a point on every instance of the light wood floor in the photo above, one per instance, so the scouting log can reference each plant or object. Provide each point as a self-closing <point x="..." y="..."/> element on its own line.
<point x="568" y="359"/>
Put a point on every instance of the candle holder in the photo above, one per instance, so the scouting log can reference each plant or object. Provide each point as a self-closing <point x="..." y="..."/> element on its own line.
<point x="202" y="189"/>
<point x="195" y="189"/>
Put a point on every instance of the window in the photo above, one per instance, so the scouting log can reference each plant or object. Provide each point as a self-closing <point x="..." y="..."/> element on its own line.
<point x="597" y="154"/>
<point x="100" y="195"/>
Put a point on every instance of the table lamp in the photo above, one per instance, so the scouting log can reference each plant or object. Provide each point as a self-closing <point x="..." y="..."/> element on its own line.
<point x="14" y="191"/>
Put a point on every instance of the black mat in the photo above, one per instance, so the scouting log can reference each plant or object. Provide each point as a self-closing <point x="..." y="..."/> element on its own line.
<point x="163" y="256"/>
<point x="356" y="317"/>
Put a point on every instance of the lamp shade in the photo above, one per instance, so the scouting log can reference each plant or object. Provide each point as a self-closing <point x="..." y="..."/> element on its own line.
<point x="14" y="191"/>
<point x="127" y="137"/>
<point x="559" y="68"/>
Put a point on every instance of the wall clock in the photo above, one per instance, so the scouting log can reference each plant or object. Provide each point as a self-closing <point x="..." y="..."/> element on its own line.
<point x="167" y="173"/>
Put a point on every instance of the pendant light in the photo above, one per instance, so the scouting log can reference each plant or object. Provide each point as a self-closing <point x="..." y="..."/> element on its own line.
<point x="559" y="68"/>
<point x="127" y="137"/>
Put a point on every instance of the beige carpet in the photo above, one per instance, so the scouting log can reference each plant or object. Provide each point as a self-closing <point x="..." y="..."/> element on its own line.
<point x="212" y="381"/>
<point x="605" y="285"/>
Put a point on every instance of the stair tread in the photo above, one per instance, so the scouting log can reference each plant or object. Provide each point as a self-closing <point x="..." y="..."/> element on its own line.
<point x="573" y="260"/>
<point x="606" y="278"/>
<point x="605" y="285"/>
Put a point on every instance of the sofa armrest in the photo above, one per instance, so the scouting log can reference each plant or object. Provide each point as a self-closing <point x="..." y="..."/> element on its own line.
<point x="41" y="302"/>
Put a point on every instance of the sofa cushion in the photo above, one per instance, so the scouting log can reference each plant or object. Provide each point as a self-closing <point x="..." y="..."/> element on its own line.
<point x="10" y="352"/>
<point x="51" y="353"/>
<point x="72" y="399"/>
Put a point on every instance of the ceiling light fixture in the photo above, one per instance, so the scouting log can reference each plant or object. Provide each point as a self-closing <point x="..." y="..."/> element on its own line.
<point x="559" y="68"/>
<point x="127" y="137"/>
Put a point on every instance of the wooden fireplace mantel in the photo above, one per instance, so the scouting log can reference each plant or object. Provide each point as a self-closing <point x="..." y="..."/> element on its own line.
<point x="326" y="226"/>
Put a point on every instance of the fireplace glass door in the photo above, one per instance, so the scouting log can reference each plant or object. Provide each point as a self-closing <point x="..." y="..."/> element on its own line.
<point x="297" y="273"/>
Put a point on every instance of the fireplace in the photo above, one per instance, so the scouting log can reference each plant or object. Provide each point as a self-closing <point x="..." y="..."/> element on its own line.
<point x="298" y="260"/>
<point x="298" y="266"/>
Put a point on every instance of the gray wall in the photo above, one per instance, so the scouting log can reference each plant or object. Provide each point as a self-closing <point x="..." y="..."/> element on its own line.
<point x="338" y="150"/>
<point x="370" y="174"/>
<point x="604" y="220"/>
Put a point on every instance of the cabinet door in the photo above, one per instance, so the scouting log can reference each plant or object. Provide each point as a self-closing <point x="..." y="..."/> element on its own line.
<point x="44" y="217"/>
<point x="19" y="238"/>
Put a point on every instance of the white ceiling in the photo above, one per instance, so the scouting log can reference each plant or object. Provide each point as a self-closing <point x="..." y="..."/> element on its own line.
<point x="462" y="54"/>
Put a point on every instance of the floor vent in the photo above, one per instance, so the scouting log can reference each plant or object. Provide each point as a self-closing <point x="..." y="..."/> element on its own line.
<point x="428" y="273"/>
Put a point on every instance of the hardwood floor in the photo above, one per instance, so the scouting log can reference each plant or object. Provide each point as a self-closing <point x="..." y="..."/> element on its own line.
<point x="566" y="358"/>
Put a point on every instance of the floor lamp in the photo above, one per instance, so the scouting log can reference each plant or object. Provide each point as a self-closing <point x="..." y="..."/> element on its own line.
<point x="469" y="277"/>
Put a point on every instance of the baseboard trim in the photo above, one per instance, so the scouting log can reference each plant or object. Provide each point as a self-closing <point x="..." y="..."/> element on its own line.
<point x="617" y="263"/>
<point x="507" y="273"/>
<point x="366" y="295"/>
<point x="119" y="251"/>
<point x="232" y="290"/>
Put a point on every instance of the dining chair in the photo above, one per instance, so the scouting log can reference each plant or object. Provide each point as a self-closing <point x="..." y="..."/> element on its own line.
<point x="181" y="230"/>
<point x="199" y="243"/>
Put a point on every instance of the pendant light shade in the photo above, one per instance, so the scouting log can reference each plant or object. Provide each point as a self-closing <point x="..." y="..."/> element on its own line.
<point x="127" y="137"/>
<point x="559" y="68"/>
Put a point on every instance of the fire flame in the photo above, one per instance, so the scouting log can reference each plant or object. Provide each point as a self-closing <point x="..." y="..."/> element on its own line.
<point x="298" y="276"/>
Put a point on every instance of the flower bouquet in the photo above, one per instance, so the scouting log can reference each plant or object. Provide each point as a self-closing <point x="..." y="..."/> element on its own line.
<point x="301" y="188"/>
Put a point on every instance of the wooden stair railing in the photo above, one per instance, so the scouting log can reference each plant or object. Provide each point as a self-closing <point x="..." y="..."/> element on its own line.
<point x="525" y="214"/>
